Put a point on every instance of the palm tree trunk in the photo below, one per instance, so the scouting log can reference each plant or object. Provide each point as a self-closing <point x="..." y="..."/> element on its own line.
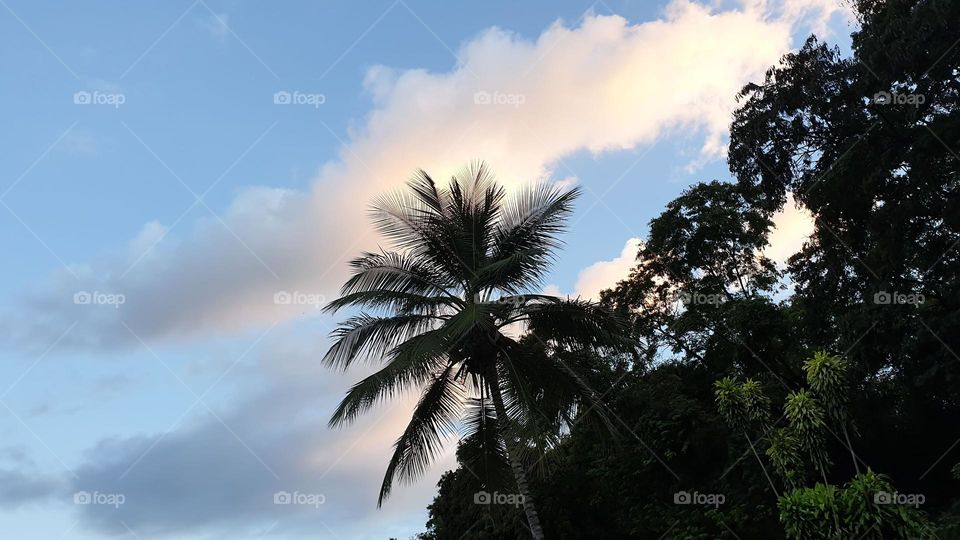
<point x="533" y="519"/>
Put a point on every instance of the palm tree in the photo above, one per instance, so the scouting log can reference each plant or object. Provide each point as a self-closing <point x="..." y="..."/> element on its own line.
<point x="440" y="308"/>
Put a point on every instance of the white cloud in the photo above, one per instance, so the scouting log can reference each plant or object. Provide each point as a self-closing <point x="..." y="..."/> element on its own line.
<point x="602" y="274"/>
<point x="603" y="86"/>
<point x="792" y="226"/>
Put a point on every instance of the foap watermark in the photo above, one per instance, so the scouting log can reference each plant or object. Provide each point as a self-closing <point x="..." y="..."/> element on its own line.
<point x="298" y="498"/>
<point x="895" y="298"/>
<point x="297" y="97"/>
<point x="893" y="98"/>
<point x="483" y="97"/>
<point x="299" y="298"/>
<point x="485" y="497"/>
<point x="702" y="499"/>
<point x="515" y="301"/>
<point x="97" y="298"/>
<point x="699" y="298"/>
<point x="97" y="97"/>
<point x="904" y="499"/>
<point x="102" y="499"/>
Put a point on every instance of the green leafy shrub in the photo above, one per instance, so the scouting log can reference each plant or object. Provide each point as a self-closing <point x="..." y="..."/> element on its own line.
<point x="858" y="510"/>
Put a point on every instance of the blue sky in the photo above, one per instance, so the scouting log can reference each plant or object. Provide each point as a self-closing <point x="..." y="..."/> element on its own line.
<point x="150" y="165"/>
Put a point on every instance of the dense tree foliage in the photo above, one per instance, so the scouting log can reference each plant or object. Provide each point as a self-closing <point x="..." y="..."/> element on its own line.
<point x="819" y="400"/>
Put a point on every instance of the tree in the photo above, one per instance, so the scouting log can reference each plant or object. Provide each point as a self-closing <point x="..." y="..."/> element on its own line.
<point x="866" y="507"/>
<point x="870" y="146"/>
<point x="598" y="487"/>
<point x="441" y="304"/>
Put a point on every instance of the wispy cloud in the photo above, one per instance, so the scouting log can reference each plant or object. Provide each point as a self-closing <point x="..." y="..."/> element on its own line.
<point x="521" y="104"/>
<point x="602" y="274"/>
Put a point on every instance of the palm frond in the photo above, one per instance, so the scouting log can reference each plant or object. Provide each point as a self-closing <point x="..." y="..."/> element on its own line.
<point x="481" y="450"/>
<point x="396" y="272"/>
<point x="528" y="230"/>
<point x="373" y="336"/>
<point x="509" y="272"/>
<point x="475" y="207"/>
<point x="549" y="392"/>
<point x="576" y="323"/>
<point x="412" y="363"/>
<point x="403" y="216"/>
<point x="419" y="224"/>
<point x="540" y="208"/>
<point x="402" y="303"/>
<point x="427" y="193"/>
<point x="433" y="420"/>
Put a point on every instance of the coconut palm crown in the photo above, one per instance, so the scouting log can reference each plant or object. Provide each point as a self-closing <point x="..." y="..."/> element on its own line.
<point x="437" y="311"/>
